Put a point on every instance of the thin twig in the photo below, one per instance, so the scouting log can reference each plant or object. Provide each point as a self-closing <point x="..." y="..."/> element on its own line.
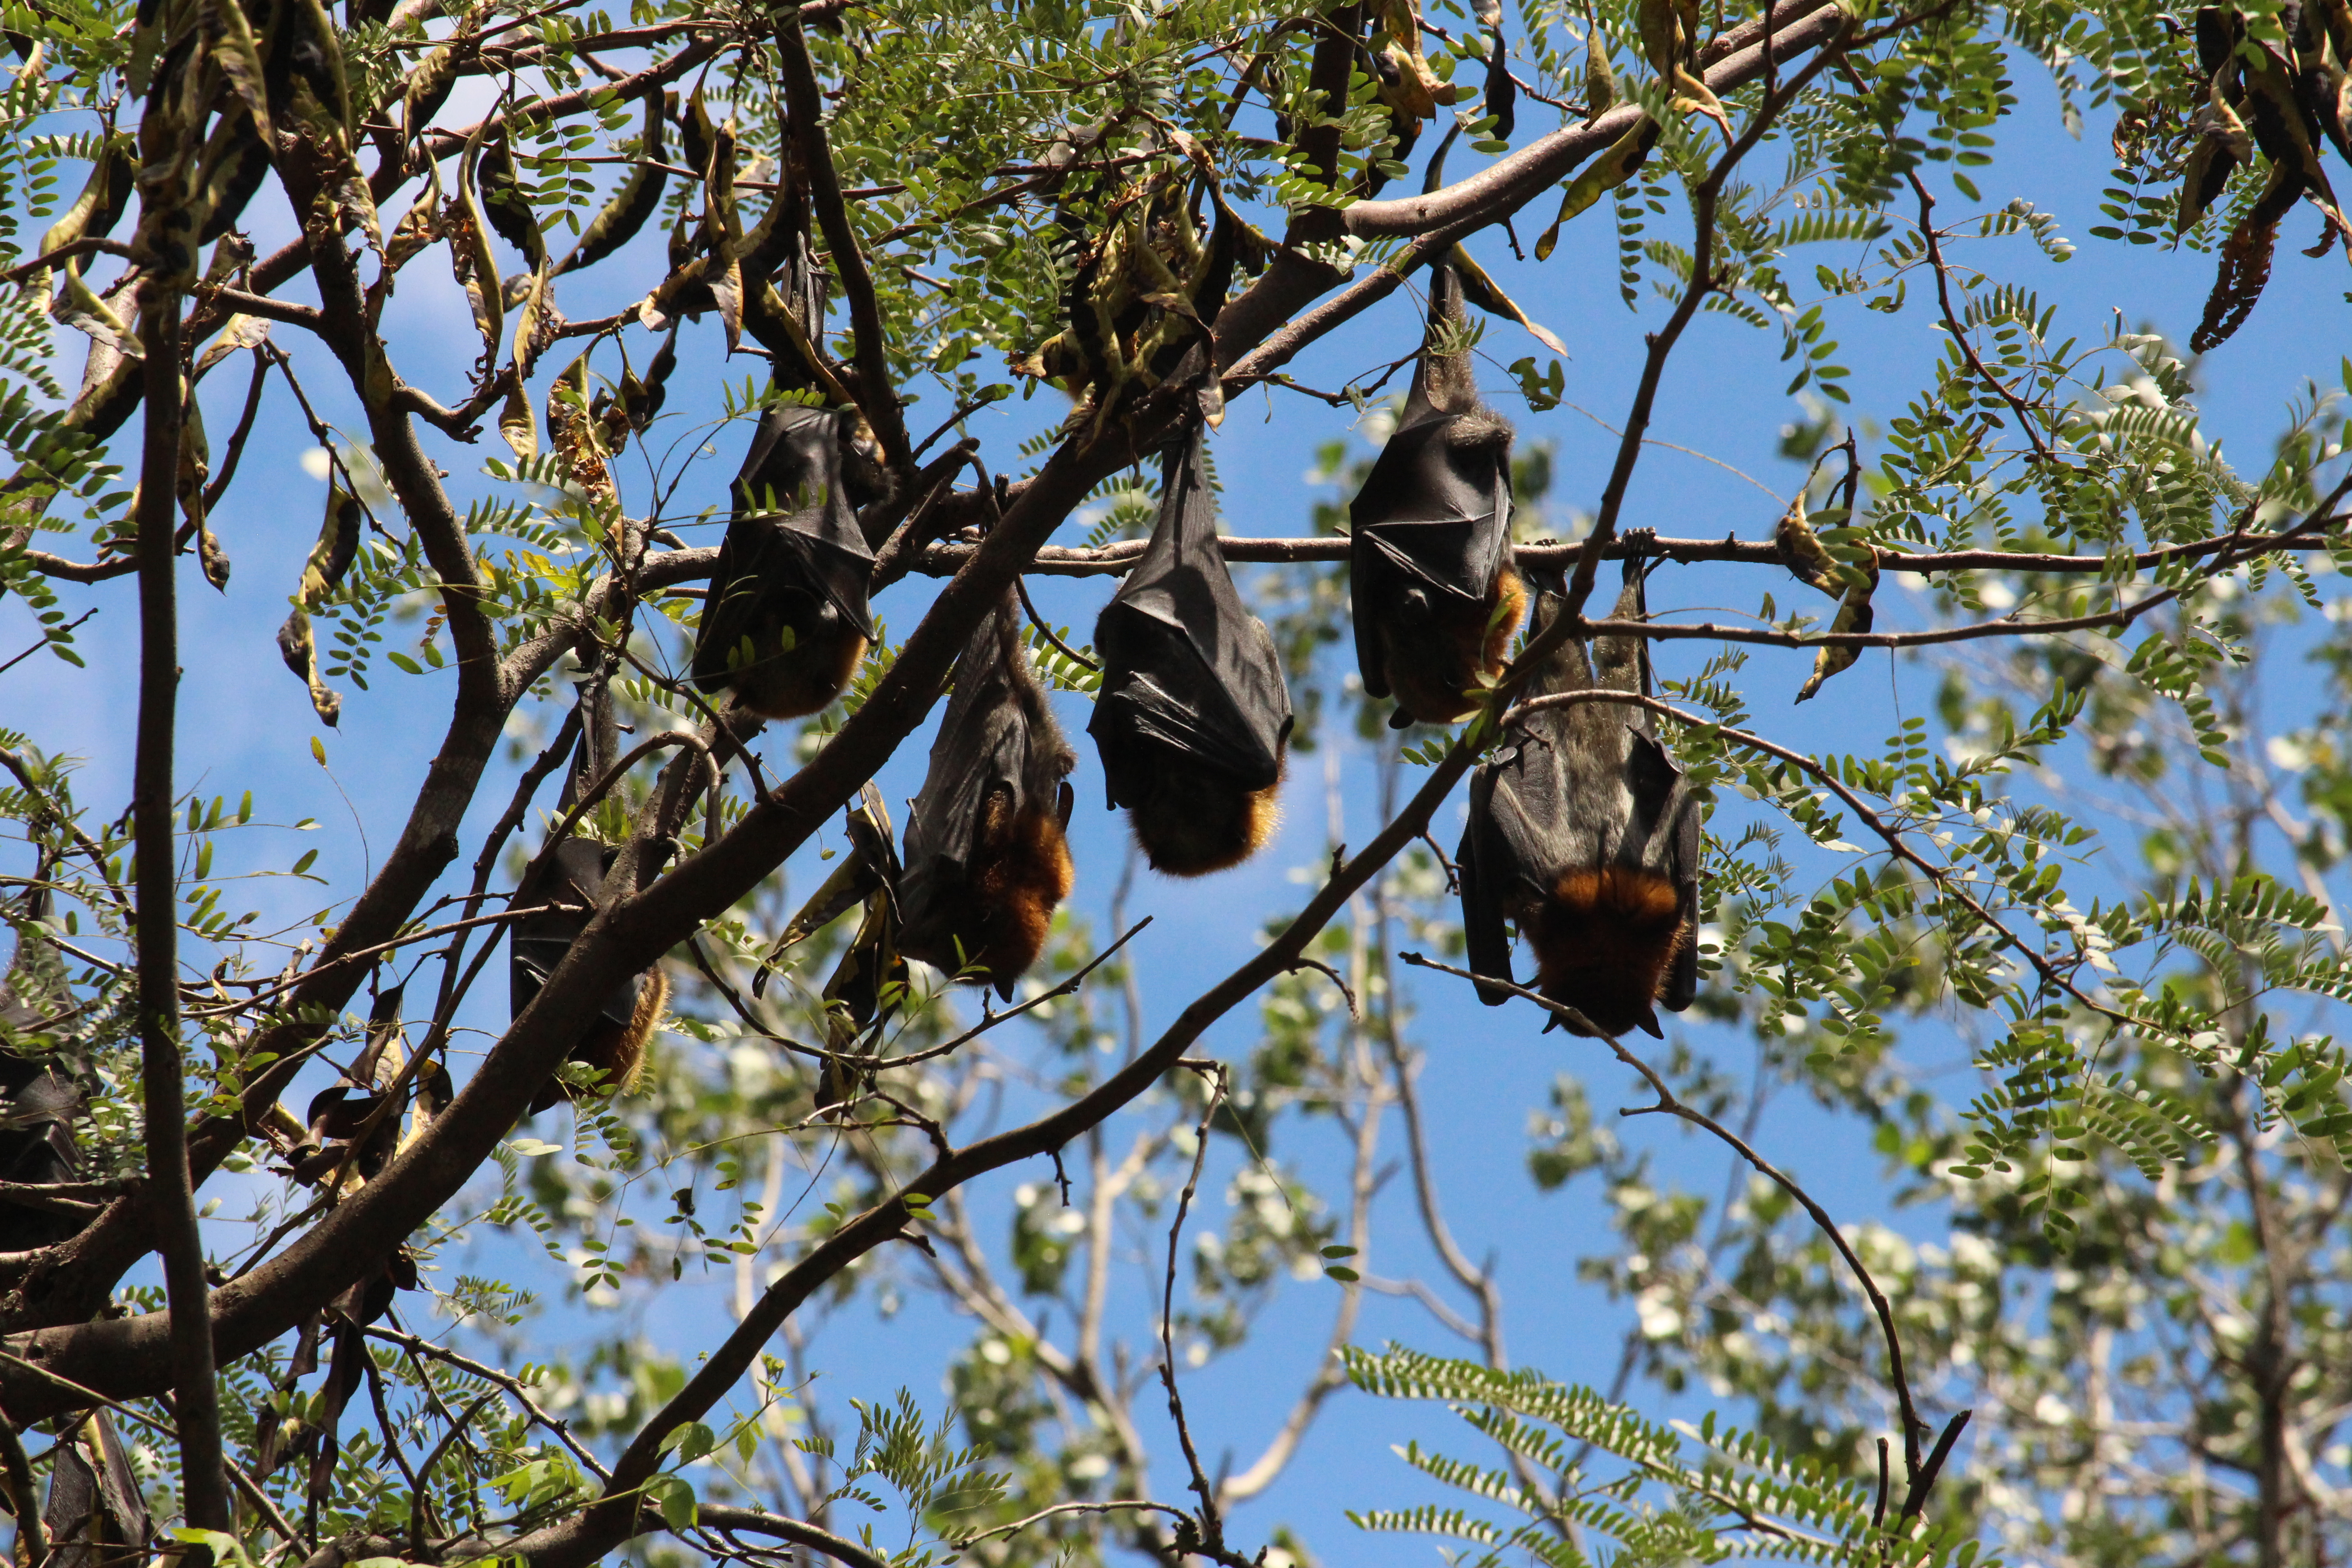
<point x="242" y="302"/>
<point x="513" y="1390"/>
<point x="1018" y="1525"/>
<point x="56" y="633"/>
<point x="1927" y="232"/>
<point x="1317" y="964"/>
<point x="1070" y="561"/>
<point x="218" y="485"/>
<point x="1209" y="1527"/>
<point x="1066" y="988"/>
<point x="1660" y="343"/>
<point x="85" y="246"/>
<point x="428" y="934"/>
<point x="1020" y="587"/>
<point x="1669" y="1105"/>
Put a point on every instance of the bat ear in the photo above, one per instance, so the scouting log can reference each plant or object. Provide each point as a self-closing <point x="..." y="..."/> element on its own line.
<point x="1064" y="803"/>
<point x="1401" y="720"/>
<point x="1648" y="1024"/>
<point x="1004" y="988"/>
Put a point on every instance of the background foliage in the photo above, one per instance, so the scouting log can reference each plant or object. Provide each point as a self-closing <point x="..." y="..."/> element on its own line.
<point x="2039" y="975"/>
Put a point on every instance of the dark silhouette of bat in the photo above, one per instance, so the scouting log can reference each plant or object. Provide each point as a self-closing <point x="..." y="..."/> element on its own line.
<point x="1584" y="834"/>
<point x="1435" y="596"/>
<point x="39" y="1103"/>
<point x="615" y="1041"/>
<point x="1193" y="718"/>
<point x="786" y="621"/>
<point x="987" y="860"/>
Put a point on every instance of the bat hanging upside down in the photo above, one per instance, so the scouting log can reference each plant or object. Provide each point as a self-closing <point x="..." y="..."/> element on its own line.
<point x="1193" y="716"/>
<point x="1435" y="598"/>
<point x="787" y="622"/>
<point x="1584" y="834"/>
<point x="987" y="860"/>
<point x="615" y="1040"/>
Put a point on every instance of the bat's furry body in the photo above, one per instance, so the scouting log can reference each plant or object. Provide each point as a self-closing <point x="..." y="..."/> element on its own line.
<point x="1191" y="820"/>
<point x="1584" y="834"/>
<point x="1193" y="718"/>
<point x="987" y="860"/>
<point x="614" y="1041"/>
<point x="787" y="622"/>
<point x="1435" y="596"/>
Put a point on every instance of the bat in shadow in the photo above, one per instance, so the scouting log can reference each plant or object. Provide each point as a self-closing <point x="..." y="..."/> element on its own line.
<point x="987" y="858"/>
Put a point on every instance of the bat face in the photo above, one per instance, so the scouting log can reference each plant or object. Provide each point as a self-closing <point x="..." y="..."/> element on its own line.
<point x="1193" y="718"/>
<point x="1584" y="835"/>
<point x="987" y="858"/>
<point x="1435" y="598"/>
<point x="786" y="621"/>
<point x="615" y="1040"/>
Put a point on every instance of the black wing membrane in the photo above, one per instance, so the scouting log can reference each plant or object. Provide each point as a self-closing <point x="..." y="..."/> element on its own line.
<point x="574" y="875"/>
<point x="787" y="618"/>
<point x="987" y="860"/>
<point x="1584" y="834"/>
<point x="1435" y="598"/>
<point x="1193" y="716"/>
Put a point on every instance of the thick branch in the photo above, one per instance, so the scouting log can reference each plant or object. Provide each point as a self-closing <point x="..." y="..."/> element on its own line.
<point x="1735" y="59"/>
<point x="575" y="1542"/>
<point x="156" y="872"/>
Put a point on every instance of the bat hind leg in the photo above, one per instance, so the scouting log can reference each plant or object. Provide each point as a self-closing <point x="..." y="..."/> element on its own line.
<point x="1195" y="820"/>
<point x="1605" y="943"/>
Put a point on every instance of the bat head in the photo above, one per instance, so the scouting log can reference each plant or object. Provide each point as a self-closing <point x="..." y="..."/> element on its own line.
<point x="1020" y="876"/>
<point x="1437" y="663"/>
<point x="1193" y="820"/>
<point x="1604" y="939"/>
<point x="797" y="659"/>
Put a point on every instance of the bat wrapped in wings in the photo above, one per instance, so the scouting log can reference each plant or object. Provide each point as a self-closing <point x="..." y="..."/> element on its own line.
<point x="1193" y="718"/>
<point x="987" y="858"/>
<point x="1435" y="596"/>
<point x="786" y="621"/>
<point x="1585" y="835"/>
<point x="615" y="1040"/>
<point x="39" y="1102"/>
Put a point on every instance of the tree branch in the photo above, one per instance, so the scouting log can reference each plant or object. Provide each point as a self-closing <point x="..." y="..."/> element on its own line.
<point x="1733" y="60"/>
<point x="1668" y="1105"/>
<point x="877" y="399"/>
<point x="155" y="857"/>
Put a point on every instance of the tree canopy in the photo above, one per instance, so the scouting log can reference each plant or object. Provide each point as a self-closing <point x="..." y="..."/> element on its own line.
<point x="969" y="296"/>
